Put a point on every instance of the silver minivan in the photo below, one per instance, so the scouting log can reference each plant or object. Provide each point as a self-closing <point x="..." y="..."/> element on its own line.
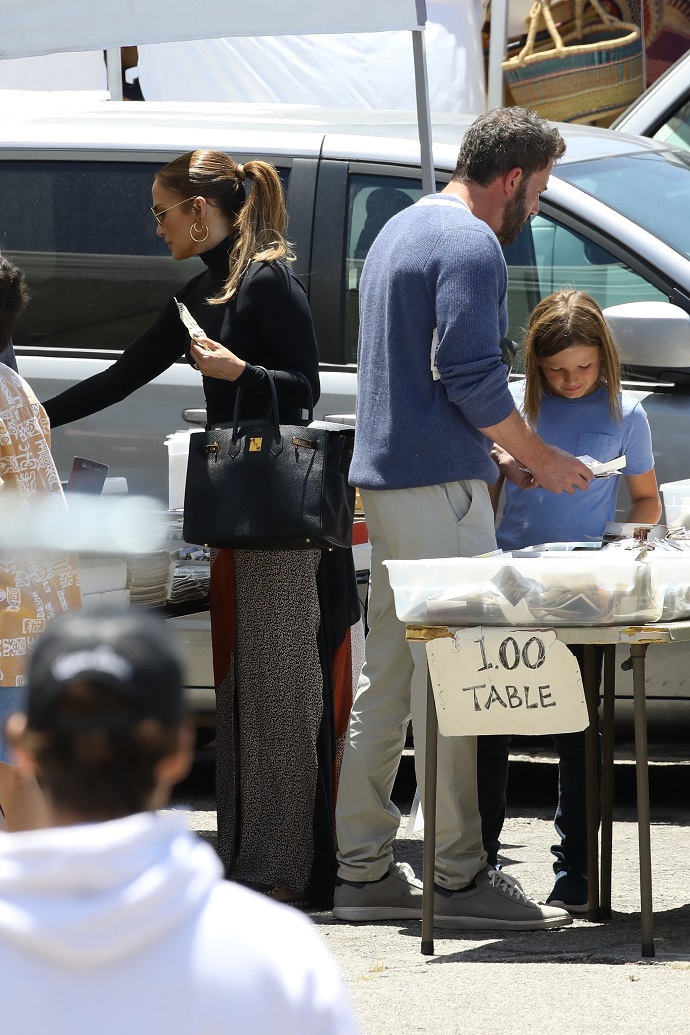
<point x="74" y="213"/>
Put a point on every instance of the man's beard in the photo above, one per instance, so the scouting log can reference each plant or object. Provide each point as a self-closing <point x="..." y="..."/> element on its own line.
<point x="514" y="217"/>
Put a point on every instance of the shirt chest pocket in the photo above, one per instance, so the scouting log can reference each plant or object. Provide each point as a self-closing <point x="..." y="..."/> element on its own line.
<point x="599" y="447"/>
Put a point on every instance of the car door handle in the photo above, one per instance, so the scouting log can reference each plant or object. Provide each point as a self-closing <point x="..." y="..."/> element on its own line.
<point x="194" y="416"/>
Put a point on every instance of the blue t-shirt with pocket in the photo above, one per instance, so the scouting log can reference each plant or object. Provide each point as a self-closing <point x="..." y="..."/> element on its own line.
<point x="582" y="427"/>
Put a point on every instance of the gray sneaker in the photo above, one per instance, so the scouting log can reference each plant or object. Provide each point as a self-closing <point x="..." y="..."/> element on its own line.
<point x="496" y="903"/>
<point x="397" y="897"/>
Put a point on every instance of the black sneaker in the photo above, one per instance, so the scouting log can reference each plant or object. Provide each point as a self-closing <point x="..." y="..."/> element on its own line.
<point x="570" y="892"/>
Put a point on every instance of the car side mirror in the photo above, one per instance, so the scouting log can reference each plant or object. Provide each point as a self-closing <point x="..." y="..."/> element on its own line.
<point x="651" y="334"/>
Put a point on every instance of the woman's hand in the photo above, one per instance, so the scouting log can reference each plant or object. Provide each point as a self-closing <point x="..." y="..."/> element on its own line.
<point x="214" y="360"/>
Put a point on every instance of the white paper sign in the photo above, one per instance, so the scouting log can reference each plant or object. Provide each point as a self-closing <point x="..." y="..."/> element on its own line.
<point x="491" y="680"/>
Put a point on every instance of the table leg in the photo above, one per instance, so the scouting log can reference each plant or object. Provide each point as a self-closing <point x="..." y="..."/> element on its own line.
<point x="429" y="858"/>
<point x="592" y="764"/>
<point x="607" y="779"/>
<point x="637" y="656"/>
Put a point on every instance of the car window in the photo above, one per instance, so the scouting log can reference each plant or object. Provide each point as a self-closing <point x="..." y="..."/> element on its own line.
<point x="85" y="237"/>
<point x="651" y="189"/>
<point x="547" y="256"/>
<point x="676" y="129"/>
<point x="372" y="201"/>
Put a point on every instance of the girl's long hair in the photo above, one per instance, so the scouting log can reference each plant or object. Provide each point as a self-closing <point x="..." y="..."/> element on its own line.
<point x="566" y="318"/>
<point x="259" y="217"/>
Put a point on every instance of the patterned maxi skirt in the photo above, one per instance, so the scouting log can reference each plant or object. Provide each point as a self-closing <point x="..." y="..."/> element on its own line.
<point x="287" y="647"/>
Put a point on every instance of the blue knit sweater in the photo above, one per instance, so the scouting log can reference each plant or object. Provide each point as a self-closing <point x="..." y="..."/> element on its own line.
<point x="433" y="267"/>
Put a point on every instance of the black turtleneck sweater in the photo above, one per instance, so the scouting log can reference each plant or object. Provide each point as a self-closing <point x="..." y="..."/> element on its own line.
<point x="267" y="322"/>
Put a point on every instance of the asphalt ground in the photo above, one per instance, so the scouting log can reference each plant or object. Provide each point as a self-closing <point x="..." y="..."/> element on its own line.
<point x="585" y="978"/>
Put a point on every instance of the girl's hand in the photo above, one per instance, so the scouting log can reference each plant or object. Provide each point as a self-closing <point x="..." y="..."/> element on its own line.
<point x="511" y="469"/>
<point x="214" y="360"/>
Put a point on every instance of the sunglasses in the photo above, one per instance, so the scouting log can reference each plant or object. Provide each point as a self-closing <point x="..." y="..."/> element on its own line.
<point x="158" y="215"/>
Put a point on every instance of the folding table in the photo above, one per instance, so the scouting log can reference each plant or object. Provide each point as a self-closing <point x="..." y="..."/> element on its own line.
<point x="638" y="638"/>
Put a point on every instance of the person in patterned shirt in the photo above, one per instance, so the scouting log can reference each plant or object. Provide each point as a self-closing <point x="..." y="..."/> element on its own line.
<point x="34" y="587"/>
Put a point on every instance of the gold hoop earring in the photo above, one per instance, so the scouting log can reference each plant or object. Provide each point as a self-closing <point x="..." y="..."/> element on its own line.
<point x="199" y="230"/>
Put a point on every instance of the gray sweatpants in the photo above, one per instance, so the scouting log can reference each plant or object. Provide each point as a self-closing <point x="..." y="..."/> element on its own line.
<point x="451" y="520"/>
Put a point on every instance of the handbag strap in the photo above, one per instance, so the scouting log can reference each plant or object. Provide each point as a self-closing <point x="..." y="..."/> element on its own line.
<point x="273" y="406"/>
<point x="272" y="413"/>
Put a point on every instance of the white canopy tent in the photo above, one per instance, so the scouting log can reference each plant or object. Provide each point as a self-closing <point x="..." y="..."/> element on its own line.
<point x="32" y="27"/>
<point x="43" y="27"/>
<point x="342" y="70"/>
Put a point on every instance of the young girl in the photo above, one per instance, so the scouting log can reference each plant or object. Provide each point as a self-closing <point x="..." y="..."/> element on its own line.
<point x="572" y="396"/>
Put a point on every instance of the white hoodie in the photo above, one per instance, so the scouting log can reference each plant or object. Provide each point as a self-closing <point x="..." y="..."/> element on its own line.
<point x="127" y="927"/>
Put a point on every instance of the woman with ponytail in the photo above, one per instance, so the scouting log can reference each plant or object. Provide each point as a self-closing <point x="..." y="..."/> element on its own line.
<point x="281" y="622"/>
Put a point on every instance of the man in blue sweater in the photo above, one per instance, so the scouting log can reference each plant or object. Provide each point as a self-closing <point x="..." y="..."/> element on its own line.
<point x="432" y="400"/>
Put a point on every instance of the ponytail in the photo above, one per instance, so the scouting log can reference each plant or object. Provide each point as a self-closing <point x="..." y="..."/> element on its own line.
<point x="261" y="223"/>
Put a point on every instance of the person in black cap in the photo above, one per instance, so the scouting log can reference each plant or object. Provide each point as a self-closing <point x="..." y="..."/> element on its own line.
<point x="118" y="914"/>
<point x="105" y="721"/>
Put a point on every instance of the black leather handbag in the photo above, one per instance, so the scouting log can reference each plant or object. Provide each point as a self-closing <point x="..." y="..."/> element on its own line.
<point x="256" y="484"/>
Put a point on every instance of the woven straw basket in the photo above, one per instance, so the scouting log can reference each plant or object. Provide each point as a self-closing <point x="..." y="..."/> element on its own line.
<point x="647" y="15"/>
<point x="590" y="73"/>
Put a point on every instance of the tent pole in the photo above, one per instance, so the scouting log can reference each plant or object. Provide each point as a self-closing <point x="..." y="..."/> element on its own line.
<point x="423" y="112"/>
<point x="113" y="62"/>
<point x="497" y="52"/>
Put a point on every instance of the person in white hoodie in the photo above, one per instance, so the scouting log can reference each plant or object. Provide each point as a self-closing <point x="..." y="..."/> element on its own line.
<point x="116" y="918"/>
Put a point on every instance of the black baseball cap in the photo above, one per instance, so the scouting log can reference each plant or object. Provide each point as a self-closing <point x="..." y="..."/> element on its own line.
<point x="131" y="652"/>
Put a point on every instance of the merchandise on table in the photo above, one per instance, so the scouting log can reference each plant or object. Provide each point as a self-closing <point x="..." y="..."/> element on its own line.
<point x="150" y="578"/>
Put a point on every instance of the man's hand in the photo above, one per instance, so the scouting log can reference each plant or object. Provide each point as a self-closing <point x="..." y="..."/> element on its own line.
<point x="558" y="471"/>
<point x="547" y="466"/>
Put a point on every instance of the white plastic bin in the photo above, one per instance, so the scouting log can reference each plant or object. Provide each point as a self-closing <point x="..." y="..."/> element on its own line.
<point x="178" y="456"/>
<point x="568" y="589"/>
<point x="676" y="497"/>
<point x="672" y="575"/>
